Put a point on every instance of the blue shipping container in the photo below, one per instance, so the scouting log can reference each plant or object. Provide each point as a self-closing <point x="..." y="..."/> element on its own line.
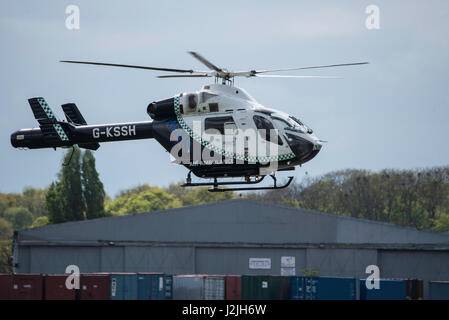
<point x="439" y="290"/>
<point x="154" y="286"/>
<point x="297" y="288"/>
<point x="123" y="286"/>
<point x="323" y="288"/>
<point x="143" y="287"/>
<point x="161" y="287"/>
<point x="388" y="290"/>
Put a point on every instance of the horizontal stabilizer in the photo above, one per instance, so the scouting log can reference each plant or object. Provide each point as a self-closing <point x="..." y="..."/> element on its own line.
<point x="73" y="114"/>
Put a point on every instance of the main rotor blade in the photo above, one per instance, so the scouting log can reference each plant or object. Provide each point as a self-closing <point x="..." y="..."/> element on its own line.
<point x="311" y="67"/>
<point x="289" y="76"/>
<point x="206" y="62"/>
<point x="132" y="66"/>
<point x="185" y="76"/>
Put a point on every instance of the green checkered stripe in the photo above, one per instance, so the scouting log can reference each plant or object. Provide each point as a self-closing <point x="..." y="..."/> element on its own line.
<point x="60" y="132"/>
<point x="50" y="115"/>
<point x="46" y="108"/>
<point x="221" y="150"/>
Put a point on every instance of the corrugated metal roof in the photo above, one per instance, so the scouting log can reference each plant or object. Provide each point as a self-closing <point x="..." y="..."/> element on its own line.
<point x="237" y="220"/>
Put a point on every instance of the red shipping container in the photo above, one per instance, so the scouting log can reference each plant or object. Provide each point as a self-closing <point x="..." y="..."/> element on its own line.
<point x="5" y="286"/>
<point x="233" y="288"/>
<point x="94" y="287"/>
<point x="27" y="287"/>
<point x="55" y="288"/>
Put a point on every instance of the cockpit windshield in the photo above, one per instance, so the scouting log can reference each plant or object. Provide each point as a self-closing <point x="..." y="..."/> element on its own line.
<point x="291" y="123"/>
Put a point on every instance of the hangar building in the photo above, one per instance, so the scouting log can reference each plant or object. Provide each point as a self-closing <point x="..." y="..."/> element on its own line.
<point x="234" y="237"/>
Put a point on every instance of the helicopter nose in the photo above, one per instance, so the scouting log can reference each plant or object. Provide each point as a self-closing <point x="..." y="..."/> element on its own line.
<point x="303" y="149"/>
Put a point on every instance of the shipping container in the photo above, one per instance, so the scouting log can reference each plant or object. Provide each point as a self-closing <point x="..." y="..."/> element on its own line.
<point x="5" y="286"/>
<point x="323" y="288"/>
<point x="214" y="288"/>
<point x="27" y="287"/>
<point x="415" y="289"/>
<point x="297" y="288"/>
<point x="388" y="290"/>
<point x="123" y="286"/>
<point x="95" y="287"/>
<point x="265" y="288"/>
<point x="439" y="290"/>
<point x="162" y="287"/>
<point x="233" y="287"/>
<point x="56" y="289"/>
<point x="154" y="286"/>
<point x="198" y="287"/>
<point x="284" y="288"/>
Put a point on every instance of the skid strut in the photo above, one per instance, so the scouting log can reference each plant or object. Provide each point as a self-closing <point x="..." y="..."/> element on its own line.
<point x="216" y="184"/>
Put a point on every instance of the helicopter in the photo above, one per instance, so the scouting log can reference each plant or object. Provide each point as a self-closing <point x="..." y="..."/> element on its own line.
<point x="219" y="132"/>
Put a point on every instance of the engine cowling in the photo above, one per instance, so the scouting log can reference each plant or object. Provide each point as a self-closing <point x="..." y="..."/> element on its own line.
<point x="162" y="109"/>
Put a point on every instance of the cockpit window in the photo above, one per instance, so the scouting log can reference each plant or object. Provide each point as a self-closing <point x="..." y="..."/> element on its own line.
<point x="219" y="123"/>
<point x="264" y="124"/>
<point x="284" y="123"/>
<point x="307" y="129"/>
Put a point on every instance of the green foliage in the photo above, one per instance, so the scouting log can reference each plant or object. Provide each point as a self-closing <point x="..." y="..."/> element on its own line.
<point x="310" y="273"/>
<point x="5" y="257"/>
<point x="3" y="204"/>
<point x="55" y="209"/>
<point x="200" y="195"/>
<point x="150" y="199"/>
<point x="6" y="229"/>
<point x="19" y="217"/>
<point x="417" y="198"/>
<point x="442" y="223"/>
<point x="93" y="190"/>
<point x="34" y="200"/>
<point x="71" y="193"/>
<point x="78" y="193"/>
<point x="40" y="222"/>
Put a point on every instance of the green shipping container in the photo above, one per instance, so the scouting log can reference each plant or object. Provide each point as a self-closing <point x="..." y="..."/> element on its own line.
<point x="265" y="288"/>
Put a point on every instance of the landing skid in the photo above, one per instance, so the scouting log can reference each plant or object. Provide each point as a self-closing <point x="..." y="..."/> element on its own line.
<point x="216" y="184"/>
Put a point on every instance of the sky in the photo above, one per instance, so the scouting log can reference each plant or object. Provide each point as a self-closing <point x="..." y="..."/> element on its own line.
<point x="392" y="113"/>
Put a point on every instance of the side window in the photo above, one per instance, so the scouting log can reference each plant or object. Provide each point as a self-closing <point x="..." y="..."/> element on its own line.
<point x="219" y="123"/>
<point x="264" y="124"/>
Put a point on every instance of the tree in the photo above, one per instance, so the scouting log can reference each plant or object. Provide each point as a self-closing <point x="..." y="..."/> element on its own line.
<point x="442" y="223"/>
<point x="34" y="200"/>
<point x="3" y="204"/>
<point x="93" y="190"/>
<point x="148" y="200"/>
<point x="5" y="257"/>
<point x="417" y="198"/>
<point x="6" y="229"/>
<point x="54" y="206"/>
<point x="19" y="217"/>
<point x="71" y="188"/>
<point x="40" y="222"/>
<point x="192" y="196"/>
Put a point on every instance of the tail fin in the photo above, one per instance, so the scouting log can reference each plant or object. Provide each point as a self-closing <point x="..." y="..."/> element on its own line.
<point x="49" y="125"/>
<point x="73" y="115"/>
<point x="42" y="111"/>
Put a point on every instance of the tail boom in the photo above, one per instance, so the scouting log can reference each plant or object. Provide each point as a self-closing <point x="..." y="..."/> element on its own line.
<point x="88" y="135"/>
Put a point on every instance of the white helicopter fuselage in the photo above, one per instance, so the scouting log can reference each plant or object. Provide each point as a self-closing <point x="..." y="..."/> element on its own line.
<point x="222" y="107"/>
